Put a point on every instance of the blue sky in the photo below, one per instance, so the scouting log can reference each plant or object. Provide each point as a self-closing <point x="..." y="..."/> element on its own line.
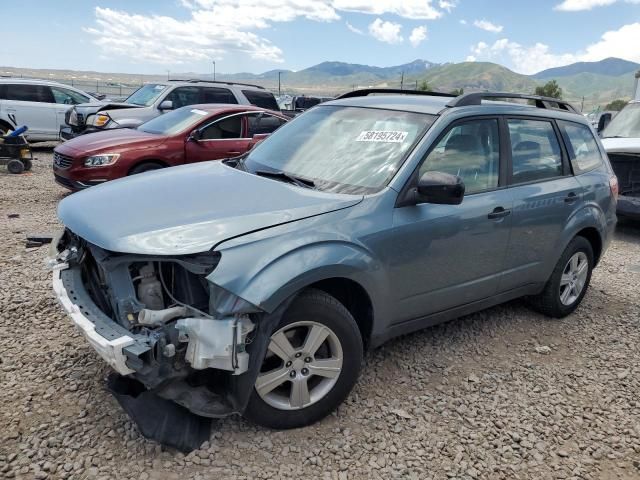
<point x="147" y="36"/>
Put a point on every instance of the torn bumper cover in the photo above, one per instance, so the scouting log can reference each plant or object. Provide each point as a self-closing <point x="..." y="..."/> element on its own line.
<point x="207" y="364"/>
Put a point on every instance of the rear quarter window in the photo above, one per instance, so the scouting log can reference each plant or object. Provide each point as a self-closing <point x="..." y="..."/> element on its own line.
<point x="261" y="99"/>
<point x="582" y="146"/>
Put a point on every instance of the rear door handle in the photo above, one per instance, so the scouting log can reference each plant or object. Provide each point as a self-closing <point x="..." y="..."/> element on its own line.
<point x="499" y="212"/>
<point x="572" y="197"/>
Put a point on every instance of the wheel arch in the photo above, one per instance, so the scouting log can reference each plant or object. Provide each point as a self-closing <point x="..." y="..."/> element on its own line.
<point x="595" y="239"/>
<point x="147" y="161"/>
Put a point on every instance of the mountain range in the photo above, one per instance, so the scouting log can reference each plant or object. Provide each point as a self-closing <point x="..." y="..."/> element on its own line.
<point x="599" y="82"/>
<point x="589" y="83"/>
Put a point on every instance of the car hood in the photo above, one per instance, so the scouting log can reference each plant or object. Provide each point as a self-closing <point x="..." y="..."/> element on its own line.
<point x="188" y="209"/>
<point x="93" y="107"/>
<point x="114" y="140"/>
<point x="621" y="145"/>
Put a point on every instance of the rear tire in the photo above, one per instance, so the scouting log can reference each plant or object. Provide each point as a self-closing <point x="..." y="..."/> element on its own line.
<point x="328" y="367"/>
<point x="569" y="281"/>
<point x="27" y="164"/>
<point x="145" y="167"/>
<point x="15" y="166"/>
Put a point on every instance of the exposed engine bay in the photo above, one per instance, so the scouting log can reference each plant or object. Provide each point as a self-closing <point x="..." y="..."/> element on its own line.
<point x="160" y="321"/>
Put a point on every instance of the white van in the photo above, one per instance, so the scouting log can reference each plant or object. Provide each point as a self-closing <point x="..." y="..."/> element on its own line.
<point x="39" y="104"/>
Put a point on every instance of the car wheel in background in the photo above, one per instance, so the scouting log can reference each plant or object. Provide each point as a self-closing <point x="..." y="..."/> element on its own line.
<point x="28" y="164"/>
<point x="312" y="363"/>
<point x="569" y="281"/>
<point x="145" y="167"/>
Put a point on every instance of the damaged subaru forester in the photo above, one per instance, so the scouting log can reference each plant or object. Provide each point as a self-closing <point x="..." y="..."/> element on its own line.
<point x="254" y="285"/>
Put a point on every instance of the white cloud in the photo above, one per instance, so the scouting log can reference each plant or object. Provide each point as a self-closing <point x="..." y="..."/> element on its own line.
<point x="418" y="35"/>
<point x="531" y="59"/>
<point x="579" y="5"/>
<point x="354" y="29"/>
<point x="447" y="5"/>
<point x="215" y="28"/>
<point x="463" y="22"/>
<point x="387" y="32"/>
<point x="413" y="9"/>
<point x="488" y="26"/>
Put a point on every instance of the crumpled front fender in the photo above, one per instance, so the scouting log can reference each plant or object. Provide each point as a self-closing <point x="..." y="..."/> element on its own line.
<point x="267" y="275"/>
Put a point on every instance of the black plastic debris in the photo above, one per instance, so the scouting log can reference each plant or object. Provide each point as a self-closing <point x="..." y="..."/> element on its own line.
<point x="13" y="215"/>
<point x="158" y="419"/>
<point x="38" y="240"/>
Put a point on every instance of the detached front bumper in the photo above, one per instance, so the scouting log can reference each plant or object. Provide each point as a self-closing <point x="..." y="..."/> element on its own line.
<point x="107" y="338"/>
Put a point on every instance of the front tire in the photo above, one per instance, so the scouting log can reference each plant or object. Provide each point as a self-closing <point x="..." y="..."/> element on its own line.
<point x="569" y="281"/>
<point x="145" y="167"/>
<point x="312" y="363"/>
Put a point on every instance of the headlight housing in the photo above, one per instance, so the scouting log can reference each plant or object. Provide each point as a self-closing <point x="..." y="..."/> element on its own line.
<point x="101" y="119"/>
<point x="101" y="160"/>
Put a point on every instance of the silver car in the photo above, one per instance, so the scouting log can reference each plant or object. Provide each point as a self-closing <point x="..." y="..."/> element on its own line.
<point x="41" y="105"/>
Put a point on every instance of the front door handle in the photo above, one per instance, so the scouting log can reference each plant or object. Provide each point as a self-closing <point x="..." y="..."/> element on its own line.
<point x="233" y="152"/>
<point x="499" y="212"/>
<point x="572" y="197"/>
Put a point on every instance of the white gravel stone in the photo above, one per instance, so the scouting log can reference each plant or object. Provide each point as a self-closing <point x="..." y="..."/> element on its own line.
<point x="474" y="398"/>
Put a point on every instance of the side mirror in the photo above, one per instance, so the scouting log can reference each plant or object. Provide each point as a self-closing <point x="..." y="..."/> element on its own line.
<point x="604" y="120"/>
<point x="440" y="188"/>
<point x="195" y="136"/>
<point x="165" y="105"/>
<point x="257" y="138"/>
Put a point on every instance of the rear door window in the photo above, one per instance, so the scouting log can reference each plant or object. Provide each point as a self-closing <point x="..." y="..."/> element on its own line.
<point x="470" y="150"/>
<point x="217" y="95"/>
<point x="260" y="124"/>
<point x="261" y="99"/>
<point x="183" y="96"/>
<point x="535" y="150"/>
<point x="29" y="93"/>
<point x="582" y="146"/>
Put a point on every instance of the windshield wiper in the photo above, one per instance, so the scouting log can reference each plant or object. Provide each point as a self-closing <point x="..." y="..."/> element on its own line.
<point x="276" y="174"/>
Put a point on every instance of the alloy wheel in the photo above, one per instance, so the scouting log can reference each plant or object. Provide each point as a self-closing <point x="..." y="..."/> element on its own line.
<point x="574" y="277"/>
<point x="303" y="363"/>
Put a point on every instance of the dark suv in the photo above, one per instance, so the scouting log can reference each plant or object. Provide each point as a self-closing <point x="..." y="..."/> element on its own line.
<point x="154" y="99"/>
<point x="254" y="285"/>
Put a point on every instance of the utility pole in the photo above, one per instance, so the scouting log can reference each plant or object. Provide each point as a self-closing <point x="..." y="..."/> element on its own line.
<point x="168" y="74"/>
<point x="582" y="105"/>
<point x="402" y="81"/>
<point x="416" y="84"/>
<point x="279" y="92"/>
<point x="214" y="70"/>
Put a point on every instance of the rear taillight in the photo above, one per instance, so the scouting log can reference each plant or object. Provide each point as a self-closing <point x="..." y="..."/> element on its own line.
<point x="613" y="185"/>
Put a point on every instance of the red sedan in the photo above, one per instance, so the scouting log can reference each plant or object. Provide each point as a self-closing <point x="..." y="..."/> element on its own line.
<point x="189" y="134"/>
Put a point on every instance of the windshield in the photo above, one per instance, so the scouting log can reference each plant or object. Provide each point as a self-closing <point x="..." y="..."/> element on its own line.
<point x="174" y="122"/>
<point x="342" y="149"/>
<point x="146" y="95"/>
<point x="626" y="124"/>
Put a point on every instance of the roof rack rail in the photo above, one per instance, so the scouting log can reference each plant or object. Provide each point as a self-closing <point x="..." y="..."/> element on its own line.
<point x="363" y="92"/>
<point x="199" y="80"/>
<point x="476" y="98"/>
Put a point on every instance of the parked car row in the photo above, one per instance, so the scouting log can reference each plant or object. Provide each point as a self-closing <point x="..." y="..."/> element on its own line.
<point x="189" y="134"/>
<point x="254" y="284"/>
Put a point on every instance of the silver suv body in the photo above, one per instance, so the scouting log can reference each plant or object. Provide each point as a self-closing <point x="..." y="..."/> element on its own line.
<point x="154" y="99"/>
<point x="39" y="104"/>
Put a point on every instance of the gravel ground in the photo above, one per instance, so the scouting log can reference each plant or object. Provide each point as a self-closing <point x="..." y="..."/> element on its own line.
<point x="505" y="393"/>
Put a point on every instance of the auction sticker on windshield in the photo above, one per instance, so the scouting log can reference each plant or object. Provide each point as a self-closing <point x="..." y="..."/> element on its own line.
<point x="387" y="136"/>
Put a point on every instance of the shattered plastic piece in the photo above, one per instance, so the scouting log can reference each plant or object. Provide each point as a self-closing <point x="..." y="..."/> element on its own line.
<point x="158" y="419"/>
